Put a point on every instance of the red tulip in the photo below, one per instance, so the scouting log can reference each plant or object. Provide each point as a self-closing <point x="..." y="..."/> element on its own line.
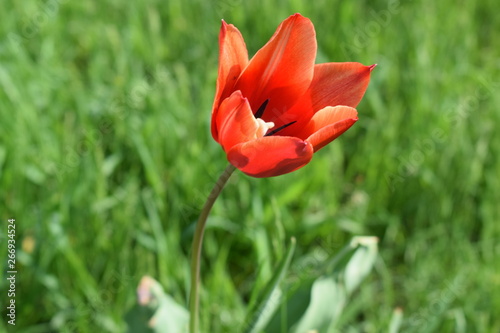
<point x="272" y="112"/>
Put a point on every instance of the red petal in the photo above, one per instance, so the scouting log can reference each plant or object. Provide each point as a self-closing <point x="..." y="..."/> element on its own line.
<point x="328" y="124"/>
<point x="235" y="122"/>
<point x="270" y="156"/>
<point x="233" y="58"/>
<point x="342" y="83"/>
<point x="281" y="70"/>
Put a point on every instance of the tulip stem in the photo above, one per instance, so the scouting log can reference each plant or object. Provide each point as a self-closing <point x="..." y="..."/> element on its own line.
<point x="196" y="248"/>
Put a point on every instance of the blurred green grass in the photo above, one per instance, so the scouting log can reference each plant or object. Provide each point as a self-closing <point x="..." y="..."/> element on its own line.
<point x="106" y="159"/>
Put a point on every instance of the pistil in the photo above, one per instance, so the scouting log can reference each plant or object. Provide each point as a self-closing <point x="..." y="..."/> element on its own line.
<point x="260" y="113"/>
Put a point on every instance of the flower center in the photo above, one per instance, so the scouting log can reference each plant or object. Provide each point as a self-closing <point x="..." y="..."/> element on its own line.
<point x="260" y="113"/>
<point x="274" y="131"/>
<point x="261" y="109"/>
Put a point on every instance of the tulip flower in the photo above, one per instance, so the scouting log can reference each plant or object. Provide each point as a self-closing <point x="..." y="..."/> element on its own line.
<point x="273" y="112"/>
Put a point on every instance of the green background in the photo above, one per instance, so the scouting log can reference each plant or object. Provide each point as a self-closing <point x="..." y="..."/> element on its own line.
<point x="106" y="158"/>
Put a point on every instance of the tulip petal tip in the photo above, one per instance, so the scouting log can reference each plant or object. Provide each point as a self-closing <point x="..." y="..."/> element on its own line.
<point x="302" y="147"/>
<point x="372" y="67"/>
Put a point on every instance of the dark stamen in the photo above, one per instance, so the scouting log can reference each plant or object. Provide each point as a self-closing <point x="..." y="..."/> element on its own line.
<point x="274" y="131"/>
<point x="260" y="111"/>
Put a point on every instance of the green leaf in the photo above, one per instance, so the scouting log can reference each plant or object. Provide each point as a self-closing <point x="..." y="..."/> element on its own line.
<point x="157" y="312"/>
<point x="396" y="321"/>
<point x="319" y="303"/>
<point x="260" y="314"/>
<point x="327" y="301"/>
<point x="361" y="262"/>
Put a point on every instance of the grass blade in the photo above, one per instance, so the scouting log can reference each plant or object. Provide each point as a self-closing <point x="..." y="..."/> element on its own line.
<point x="262" y="312"/>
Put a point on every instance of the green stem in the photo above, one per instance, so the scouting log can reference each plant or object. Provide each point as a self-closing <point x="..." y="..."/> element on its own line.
<point x="196" y="249"/>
